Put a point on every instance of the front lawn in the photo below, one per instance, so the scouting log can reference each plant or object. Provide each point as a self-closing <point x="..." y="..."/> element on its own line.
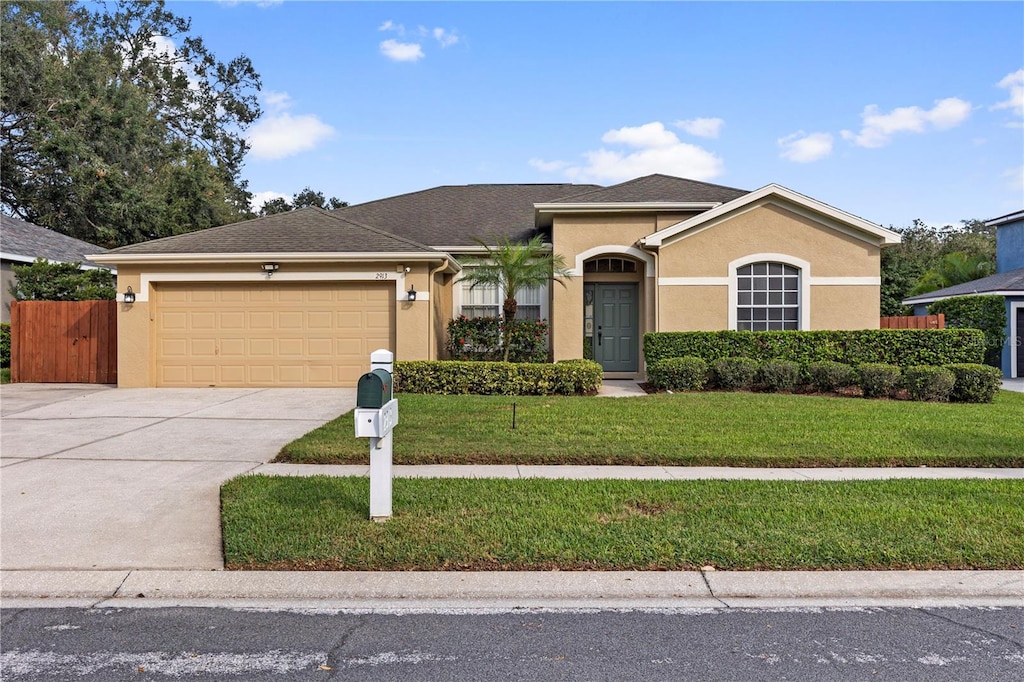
<point x="691" y="429"/>
<point x="320" y="523"/>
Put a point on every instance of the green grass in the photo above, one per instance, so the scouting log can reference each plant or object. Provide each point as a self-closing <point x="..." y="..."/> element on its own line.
<point x="320" y="523"/>
<point x="711" y="429"/>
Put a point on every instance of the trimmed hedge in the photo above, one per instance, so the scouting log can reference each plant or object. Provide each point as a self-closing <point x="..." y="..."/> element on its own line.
<point x="679" y="374"/>
<point x="447" y="377"/>
<point x="928" y="383"/>
<point x="975" y="383"/>
<point x="5" y="344"/>
<point x="903" y="347"/>
<point x="479" y="338"/>
<point x="830" y="376"/>
<point x="734" y="374"/>
<point x="779" y="376"/>
<point x="987" y="313"/>
<point x="879" y="380"/>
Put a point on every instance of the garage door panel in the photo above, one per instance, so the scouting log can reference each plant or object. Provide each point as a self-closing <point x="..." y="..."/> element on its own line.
<point x="270" y="334"/>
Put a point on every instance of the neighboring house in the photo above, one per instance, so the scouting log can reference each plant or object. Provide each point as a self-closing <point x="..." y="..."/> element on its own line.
<point x="1008" y="282"/>
<point x="22" y="242"/>
<point x="302" y="298"/>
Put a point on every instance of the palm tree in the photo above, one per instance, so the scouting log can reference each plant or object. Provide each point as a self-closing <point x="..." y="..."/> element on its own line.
<point x="511" y="267"/>
<point x="952" y="269"/>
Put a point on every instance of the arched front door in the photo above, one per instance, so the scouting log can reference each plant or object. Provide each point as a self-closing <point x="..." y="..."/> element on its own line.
<point x="611" y="324"/>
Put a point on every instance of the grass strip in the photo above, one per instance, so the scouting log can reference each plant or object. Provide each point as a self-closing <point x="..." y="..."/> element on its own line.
<point x="320" y="523"/>
<point x="692" y="429"/>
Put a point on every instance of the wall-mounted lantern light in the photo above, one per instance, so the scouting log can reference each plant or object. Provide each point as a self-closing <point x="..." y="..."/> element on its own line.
<point x="411" y="293"/>
<point x="129" y="296"/>
<point x="270" y="268"/>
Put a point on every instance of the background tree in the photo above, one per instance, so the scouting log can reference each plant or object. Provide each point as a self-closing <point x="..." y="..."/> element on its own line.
<point x="510" y="268"/>
<point x="305" y="198"/>
<point x="923" y="247"/>
<point x="46" y="281"/>
<point x="111" y="134"/>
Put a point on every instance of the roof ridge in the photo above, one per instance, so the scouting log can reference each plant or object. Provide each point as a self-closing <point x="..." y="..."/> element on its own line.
<point x="455" y="186"/>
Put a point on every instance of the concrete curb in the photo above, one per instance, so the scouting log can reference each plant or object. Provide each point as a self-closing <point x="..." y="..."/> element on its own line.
<point x="490" y="591"/>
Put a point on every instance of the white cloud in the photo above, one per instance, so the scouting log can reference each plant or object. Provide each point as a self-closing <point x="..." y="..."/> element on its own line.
<point x="258" y="3"/>
<point x="805" y="147"/>
<point x="653" y="150"/>
<point x="548" y="166"/>
<point x="878" y="128"/>
<point x="390" y="26"/>
<point x="280" y="134"/>
<point x="445" y="38"/>
<point x="260" y="198"/>
<point x="401" y="52"/>
<point x="701" y="127"/>
<point x="1014" y="84"/>
<point x="645" y="136"/>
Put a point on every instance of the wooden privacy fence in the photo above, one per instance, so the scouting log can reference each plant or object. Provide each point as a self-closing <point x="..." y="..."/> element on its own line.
<point x="913" y="322"/>
<point x="71" y="342"/>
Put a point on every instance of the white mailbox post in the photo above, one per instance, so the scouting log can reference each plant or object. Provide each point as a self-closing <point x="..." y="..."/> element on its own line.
<point x="376" y="415"/>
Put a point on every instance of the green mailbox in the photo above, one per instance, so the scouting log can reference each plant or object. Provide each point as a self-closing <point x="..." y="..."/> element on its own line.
<point x="373" y="389"/>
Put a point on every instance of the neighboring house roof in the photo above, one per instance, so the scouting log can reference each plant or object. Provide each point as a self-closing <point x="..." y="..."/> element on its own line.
<point x="23" y="241"/>
<point x="1009" y="283"/>
<point x="303" y="231"/>
<point x="656" y="188"/>
<point x="1004" y="219"/>
<point x="794" y="201"/>
<point x="453" y="215"/>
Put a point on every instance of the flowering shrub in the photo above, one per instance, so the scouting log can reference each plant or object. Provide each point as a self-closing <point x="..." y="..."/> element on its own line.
<point x="479" y="338"/>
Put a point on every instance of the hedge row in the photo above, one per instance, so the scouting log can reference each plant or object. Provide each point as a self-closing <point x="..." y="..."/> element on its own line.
<point x="961" y="382"/>
<point x="447" y="377"/>
<point x="987" y="313"/>
<point x="5" y="344"/>
<point x="903" y="347"/>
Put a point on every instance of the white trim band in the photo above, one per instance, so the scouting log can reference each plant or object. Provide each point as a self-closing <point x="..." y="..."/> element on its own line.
<point x="148" y="278"/>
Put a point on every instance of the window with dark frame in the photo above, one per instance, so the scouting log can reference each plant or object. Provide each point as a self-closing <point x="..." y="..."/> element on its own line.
<point x="767" y="297"/>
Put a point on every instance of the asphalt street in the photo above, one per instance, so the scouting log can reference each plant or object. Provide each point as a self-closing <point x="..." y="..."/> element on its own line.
<point x="112" y="644"/>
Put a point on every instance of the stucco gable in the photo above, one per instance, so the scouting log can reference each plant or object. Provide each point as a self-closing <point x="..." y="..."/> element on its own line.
<point x="819" y="212"/>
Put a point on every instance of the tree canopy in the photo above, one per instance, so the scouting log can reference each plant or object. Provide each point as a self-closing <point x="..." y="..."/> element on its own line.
<point x="926" y="252"/>
<point x="118" y="125"/>
<point x="46" y="281"/>
<point x="305" y="198"/>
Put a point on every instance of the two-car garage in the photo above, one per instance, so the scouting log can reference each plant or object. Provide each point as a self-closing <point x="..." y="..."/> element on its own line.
<point x="269" y="333"/>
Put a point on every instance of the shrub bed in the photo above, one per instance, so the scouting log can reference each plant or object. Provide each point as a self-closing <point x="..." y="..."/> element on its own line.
<point x="928" y="383"/>
<point x="679" y="374"/>
<point x="830" y="376"/>
<point x="448" y="377"/>
<point x="974" y="383"/>
<point x="779" y="376"/>
<point x="479" y="338"/>
<point x="734" y="374"/>
<point x="5" y="344"/>
<point x="879" y="380"/>
<point x="903" y="347"/>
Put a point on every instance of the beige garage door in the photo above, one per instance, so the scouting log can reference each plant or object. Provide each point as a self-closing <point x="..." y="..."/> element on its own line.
<point x="303" y="334"/>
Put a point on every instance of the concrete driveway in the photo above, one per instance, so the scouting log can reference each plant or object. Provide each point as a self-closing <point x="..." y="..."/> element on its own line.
<point x="95" y="477"/>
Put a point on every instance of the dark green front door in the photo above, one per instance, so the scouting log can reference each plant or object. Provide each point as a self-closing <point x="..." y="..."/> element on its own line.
<point x="616" y="321"/>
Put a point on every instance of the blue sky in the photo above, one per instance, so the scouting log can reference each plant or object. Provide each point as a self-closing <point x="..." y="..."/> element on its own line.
<point x="891" y="111"/>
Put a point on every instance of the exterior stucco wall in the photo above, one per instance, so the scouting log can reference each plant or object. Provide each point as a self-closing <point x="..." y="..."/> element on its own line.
<point x="413" y="332"/>
<point x="688" y="263"/>
<point x="769" y="229"/>
<point x="611" y="235"/>
<point x="6" y="281"/>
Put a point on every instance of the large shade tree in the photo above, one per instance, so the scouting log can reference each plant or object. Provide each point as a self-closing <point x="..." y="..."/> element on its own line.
<point x="117" y="124"/>
<point x="510" y="267"/>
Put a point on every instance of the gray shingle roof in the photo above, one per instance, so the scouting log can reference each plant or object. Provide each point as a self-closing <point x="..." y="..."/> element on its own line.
<point x="21" y="238"/>
<point x="306" y="230"/>
<point x="657" y="188"/>
<point x="1012" y="280"/>
<point x="452" y="215"/>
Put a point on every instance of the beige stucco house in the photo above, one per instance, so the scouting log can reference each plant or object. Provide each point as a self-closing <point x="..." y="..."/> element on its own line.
<point x="302" y="298"/>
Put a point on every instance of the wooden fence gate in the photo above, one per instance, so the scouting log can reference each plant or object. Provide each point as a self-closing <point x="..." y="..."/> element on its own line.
<point x="71" y="342"/>
<point x="913" y="322"/>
